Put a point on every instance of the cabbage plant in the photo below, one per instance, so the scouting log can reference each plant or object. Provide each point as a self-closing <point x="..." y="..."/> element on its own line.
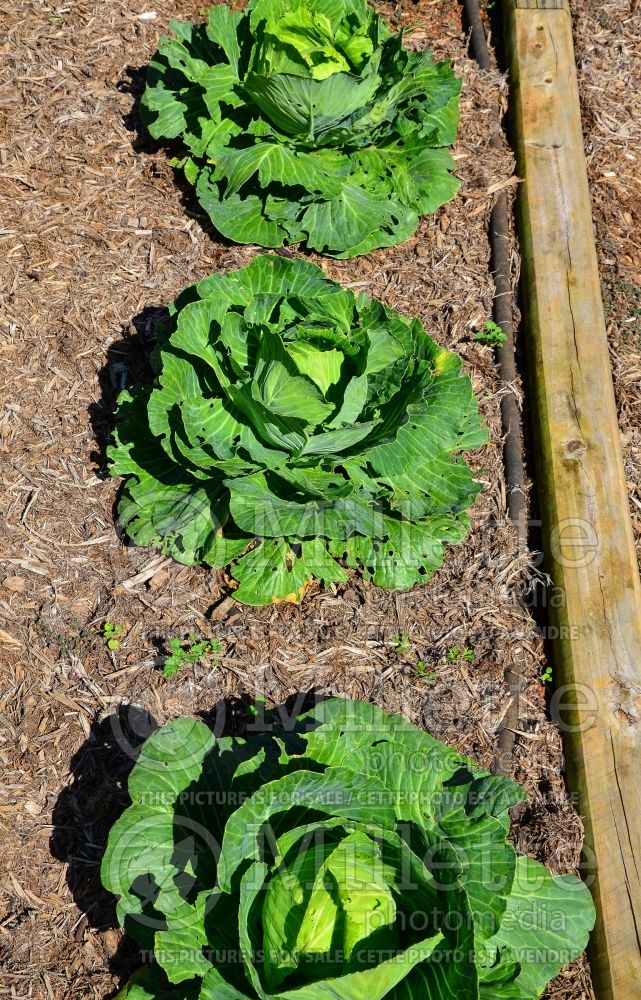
<point x="306" y="120"/>
<point x="296" y="429"/>
<point x="346" y="855"/>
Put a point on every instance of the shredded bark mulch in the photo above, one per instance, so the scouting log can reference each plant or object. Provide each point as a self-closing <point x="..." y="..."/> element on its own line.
<point x="607" y="52"/>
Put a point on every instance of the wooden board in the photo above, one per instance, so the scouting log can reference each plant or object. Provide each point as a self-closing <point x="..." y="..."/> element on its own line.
<point x="543" y="4"/>
<point x="587" y="529"/>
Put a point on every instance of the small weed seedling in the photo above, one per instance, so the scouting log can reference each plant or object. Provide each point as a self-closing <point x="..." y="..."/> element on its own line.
<point x="112" y="634"/>
<point x="422" y="672"/>
<point x="491" y="335"/>
<point x="401" y="644"/>
<point x="454" y="654"/>
<point x="186" y="651"/>
<point x="546" y="676"/>
<point x="70" y="640"/>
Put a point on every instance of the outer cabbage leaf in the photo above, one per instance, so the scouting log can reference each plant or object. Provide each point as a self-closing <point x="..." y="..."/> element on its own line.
<point x="306" y="121"/>
<point x="546" y="919"/>
<point x="292" y="425"/>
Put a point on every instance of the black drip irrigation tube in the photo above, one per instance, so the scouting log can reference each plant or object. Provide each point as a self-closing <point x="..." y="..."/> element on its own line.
<point x="499" y="237"/>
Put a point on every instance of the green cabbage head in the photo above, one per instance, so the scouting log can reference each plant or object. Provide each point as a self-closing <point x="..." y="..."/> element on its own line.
<point x="306" y="120"/>
<point x="346" y="855"/>
<point x="294" y="424"/>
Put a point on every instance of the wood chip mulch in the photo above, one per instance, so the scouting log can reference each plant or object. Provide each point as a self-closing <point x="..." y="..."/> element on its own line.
<point x="609" y="65"/>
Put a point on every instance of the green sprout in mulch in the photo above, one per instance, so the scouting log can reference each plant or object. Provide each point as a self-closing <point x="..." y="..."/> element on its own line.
<point x="187" y="651"/>
<point x="491" y="335"/>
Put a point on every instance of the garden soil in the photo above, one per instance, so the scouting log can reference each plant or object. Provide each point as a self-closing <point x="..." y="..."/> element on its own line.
<point x="96" y="239"/>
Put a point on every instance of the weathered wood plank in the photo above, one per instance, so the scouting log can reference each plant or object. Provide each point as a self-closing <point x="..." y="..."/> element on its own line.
<point x="587" y="532"/>
<point x="543" y="4"/>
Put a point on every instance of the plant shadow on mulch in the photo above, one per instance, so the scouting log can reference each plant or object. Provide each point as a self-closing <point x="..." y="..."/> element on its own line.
<point x="142" y="142"/>
<point x="128" y="362"/>
<point x="87" y="808"/>
<point x="134" y="85"/>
